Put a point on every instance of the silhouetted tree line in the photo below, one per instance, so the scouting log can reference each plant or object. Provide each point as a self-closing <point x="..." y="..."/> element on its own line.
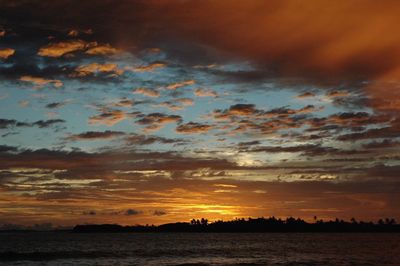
<point x="271" y="224"/>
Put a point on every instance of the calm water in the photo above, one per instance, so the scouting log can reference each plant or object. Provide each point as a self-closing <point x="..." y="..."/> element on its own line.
<point x="198" y="249"/>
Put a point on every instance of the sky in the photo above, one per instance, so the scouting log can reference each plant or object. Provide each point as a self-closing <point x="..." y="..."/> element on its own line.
<point x="149" y="112"/>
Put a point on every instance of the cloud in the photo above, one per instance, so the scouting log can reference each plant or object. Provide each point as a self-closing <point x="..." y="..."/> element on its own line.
<point x="249" y="143"/>
<point x="284" y="111"/>
<point x="47" y="123"/>
<point x="95" y="68"/>
<point x="347" y="120"/>
<point x="6" y="148"/>
<point x="146" y="68"/>
<point x="108" y="117"/>
<point x="242" y="109"/>
<point x="200" y="92"/>
<point x="73" y="33"/>
<point x="373" y="133"/>
<point x="136" y="139"/>
<point x="61" y="48"/>
<point x="98" y="164"/>
<point x="171" y="106"/>
<point x="159" y="213"/>
<point x="130" y="212"/>
<point x="305" y="95"/>
<point x="76" y="32"/>
<point x="155" y="121"/>
<point x="5" y="123"/>
<point x="247" y="119"/>
<point x="337" y="53"/>
<point x="40" y="82"/>
<point x="177" y="104"/>
<point x="124" y="102"/>
<point x="55" y="105"/>
<point x="90" y="213"/>
<point x="192" y="127"/>
<point x="95" y="135"/>
<point x="306" y="149"/>
<point x="334" y="94"/>
<point x="147" y="92"/>
<point x="104" y="49"/>
<point x="185" y="101"/>
<point x="334" y="46"/>
<point x="6" y="53"/>
<point x="237" y="110"/>
<point x="177" y="85"/>
<point x="386" y="143"/>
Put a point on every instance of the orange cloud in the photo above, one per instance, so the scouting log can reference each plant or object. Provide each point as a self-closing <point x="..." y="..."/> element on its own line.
<point x="193" y="127"/>
<point x="185" y="101"/>
<point x="200" y="92"/>
<point x="170" y="105"/>
<point x="6" y="53"/>
<point x="156" y="121"/>
<point x="305" y="95"/>
<point x="104" y="49"/>
<point x="62" y="48"/>
<point x="73" y="33"/>
<point x="328" y="43"/>
<point x="147" y="92"/>
<point x="108" y="117"/>
<point x="94" y="68"/>
<point x="177" y="85"/>
<point x="335" y="94"/>
<point x="177" y="104"/>
<point x="41" y="81"/>
<point x="146" y="68"/>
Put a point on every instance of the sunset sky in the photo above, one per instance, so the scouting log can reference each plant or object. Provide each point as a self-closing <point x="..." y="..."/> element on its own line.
<point x="138" y="112"/>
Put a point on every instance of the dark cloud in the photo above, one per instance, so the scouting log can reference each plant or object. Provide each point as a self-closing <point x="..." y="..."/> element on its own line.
<point x="6" y="148"/>
<point x="159" y="213"/>
<point x="55" y="105"/>
<point x="155" y="121"/>
<point x="136" y="139"/>
<point x="192" y="128"/>
<point x="391" y="131"/>
<point x="386" y="143"/>
<point x="306" y="95"/>
<point x="47" y="123"/>
<point x="249" y="143"/>
<point x="308" y="149"/>
<point x="6" y="123"/>
<point x="131" y="212"/>
<point x="335" y="52"/>
<point x="109" y="117"/>
<point x="82" y="163"/>
<point x="95" y="135"/>
<point x="90" y="213"/>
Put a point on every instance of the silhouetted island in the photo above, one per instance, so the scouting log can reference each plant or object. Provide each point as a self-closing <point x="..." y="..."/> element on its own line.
<point x="271" y="224"/>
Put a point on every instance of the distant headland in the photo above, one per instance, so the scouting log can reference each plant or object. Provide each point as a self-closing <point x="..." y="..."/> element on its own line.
<point x="271" y="224"/>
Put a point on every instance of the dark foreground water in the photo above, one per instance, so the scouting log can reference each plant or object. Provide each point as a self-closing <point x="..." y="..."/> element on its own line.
<point x="61" y="248"/>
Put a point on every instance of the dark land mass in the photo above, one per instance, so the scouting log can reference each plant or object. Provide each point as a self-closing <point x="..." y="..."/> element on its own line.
<point x="271" y="224"/>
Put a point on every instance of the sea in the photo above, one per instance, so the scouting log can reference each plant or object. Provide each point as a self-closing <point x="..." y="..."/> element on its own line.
<point x="67" y="248"/>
